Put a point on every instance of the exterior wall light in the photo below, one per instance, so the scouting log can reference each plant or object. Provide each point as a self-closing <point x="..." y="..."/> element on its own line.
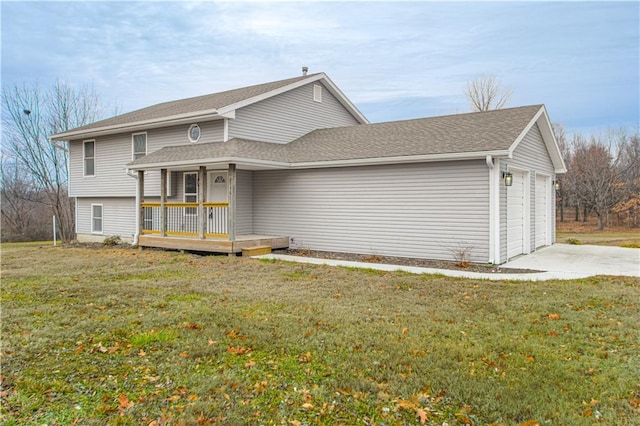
<point x="556" y="185"/>
<point x="508" y="178"/>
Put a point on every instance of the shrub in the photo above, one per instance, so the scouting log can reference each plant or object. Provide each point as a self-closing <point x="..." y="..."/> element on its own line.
<point x="113" y="240"/>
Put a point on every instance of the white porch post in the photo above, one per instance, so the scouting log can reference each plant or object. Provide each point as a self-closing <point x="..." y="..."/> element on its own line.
<point x="163" y="200"/>
<point x="232" y="202"/>
<point x="202" y="186"/>
<point x="140" y="198"/>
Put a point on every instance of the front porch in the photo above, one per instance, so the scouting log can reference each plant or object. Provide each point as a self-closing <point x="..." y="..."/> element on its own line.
<point x="198" y="223"/>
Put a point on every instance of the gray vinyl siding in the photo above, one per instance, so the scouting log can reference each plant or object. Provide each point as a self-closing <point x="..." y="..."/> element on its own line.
<point x="288" y="116"/>
<point x="428" y="210"/>
<point x="114" y="152"/>
<point x="244" y="200"/>
<point x="210" y="131"/>
<point x="118" y="216"/>
<point x="532" y="155"/>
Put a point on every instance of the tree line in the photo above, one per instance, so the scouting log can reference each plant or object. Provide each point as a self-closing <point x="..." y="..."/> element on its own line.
<point x="603" y="176"/>
<point x="34" y="171"/>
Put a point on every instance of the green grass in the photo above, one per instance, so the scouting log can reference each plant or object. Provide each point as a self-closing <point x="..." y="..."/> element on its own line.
<point x="124" y="337"/>
<point x="628" y="239"/>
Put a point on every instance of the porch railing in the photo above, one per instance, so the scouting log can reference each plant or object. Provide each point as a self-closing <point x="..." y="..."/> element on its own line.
<point x="184" y="219"/>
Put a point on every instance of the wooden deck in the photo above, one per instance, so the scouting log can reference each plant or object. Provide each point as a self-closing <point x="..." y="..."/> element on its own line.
<point x="214" y="245"/>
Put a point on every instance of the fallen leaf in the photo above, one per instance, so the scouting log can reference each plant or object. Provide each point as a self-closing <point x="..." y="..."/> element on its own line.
<point x="184" y="355"/>
<point x="307" y="406"/>
<point x="238" y="350"/>
<point x="305" y="357"/>
<point x="124" y="404"/>
<point x="192" y="397"/>
<point x="78" y="349"/>
<point x="554" y="316"/>
<point x="405" y="330"/>
<point x="531" y="358"/>
<point x="249" y="364"/>
<point x="422" y="415"/>
<point x="142" y="352"/>
<point x="530" y="423"/>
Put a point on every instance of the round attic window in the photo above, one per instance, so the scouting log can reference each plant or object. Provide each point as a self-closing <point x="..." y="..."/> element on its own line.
<point x="194" y="133"/>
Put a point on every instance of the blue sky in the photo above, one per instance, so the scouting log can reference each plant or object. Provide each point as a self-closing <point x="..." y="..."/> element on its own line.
<point x="393" y="60"/>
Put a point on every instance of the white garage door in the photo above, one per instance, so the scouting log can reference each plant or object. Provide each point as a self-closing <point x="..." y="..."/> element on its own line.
<point x="542" y="210"/>
<point x="515" y="216"/>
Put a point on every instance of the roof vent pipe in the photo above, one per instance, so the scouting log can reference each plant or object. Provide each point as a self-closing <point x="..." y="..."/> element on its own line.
<point x="305" y="70"/>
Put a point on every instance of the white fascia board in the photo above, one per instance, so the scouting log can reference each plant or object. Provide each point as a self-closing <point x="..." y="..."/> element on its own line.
<point x="324" y="164"/>
<point x="542" y="119"/>
<point x="203" y="161"/>
<point x="400" y="159"/>
<point x="205" y="115"/>
<point x="335" y="91"/>
<point x="550" y="140"/>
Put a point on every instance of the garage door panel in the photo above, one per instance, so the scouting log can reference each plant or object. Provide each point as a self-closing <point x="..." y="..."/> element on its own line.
<point x="542" y="210"/>
<point x="515" y="215"/>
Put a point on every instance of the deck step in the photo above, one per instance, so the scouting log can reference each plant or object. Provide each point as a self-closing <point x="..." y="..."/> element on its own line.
<point x="256" y="251"/>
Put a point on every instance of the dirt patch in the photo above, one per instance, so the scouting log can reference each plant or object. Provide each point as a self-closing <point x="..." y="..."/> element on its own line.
<point x="405" y="261"/>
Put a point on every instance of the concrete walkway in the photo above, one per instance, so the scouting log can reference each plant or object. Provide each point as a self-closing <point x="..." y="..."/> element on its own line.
<point x="560" y="261"/>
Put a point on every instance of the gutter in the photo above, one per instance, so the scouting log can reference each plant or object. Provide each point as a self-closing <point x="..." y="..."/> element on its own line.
<point x="373" y="161"/>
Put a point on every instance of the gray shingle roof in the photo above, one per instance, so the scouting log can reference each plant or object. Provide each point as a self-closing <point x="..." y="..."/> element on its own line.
<point x="452" y="134"/>
<point x="191" y="105"/>
<point x="459" y="133"/>
<point x="234" y="148"/>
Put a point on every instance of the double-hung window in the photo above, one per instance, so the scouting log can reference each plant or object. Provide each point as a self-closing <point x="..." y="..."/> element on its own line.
<point x="96" y="218"/>
<point x="139" y="142"/>
<point x="89" y="155"/>
<point x="191" y="192"/>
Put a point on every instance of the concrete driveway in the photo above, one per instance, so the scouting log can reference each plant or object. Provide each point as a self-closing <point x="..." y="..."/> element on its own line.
<point x="584" y="260"/>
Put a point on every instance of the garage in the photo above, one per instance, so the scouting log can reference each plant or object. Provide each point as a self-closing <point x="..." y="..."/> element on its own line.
<point x="543" y="190"/>
<point x="516" y="215"/>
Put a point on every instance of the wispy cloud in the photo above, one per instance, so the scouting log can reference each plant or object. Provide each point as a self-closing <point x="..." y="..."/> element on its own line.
<point x="394" y="60"/>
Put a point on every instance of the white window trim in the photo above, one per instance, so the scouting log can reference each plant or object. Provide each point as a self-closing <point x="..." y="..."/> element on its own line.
<point x="93" y="231"/>
<point x="317" y="93"/>
<point x="133" y="148"/>
<point x="184" y="192"/>
<point x="199" y="133"/>
<point x="84" y="158"/>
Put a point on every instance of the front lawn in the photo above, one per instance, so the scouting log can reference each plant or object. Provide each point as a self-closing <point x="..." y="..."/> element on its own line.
<point x="128" y="337"/>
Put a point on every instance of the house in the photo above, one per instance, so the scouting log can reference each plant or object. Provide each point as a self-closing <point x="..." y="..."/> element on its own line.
<point x="295" y="163"/>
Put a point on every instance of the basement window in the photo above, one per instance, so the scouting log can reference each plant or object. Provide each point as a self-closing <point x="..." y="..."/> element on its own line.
<point x="96" y="218"/>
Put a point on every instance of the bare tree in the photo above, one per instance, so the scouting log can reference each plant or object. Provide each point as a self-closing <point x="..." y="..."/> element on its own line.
<point x="599" y="170"/>
<point x="630" y="180"/>
<point x="485" y="93"/>
<point x="564" y="192"/>
<point x="29" y="115"/>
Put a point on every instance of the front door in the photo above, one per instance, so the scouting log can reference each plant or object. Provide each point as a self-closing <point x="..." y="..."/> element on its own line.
<point x="217" y="192"/>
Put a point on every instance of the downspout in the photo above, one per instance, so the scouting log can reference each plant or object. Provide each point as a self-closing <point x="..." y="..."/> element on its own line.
<point x="492" y="209"/>
<point x="137" y="233"/>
